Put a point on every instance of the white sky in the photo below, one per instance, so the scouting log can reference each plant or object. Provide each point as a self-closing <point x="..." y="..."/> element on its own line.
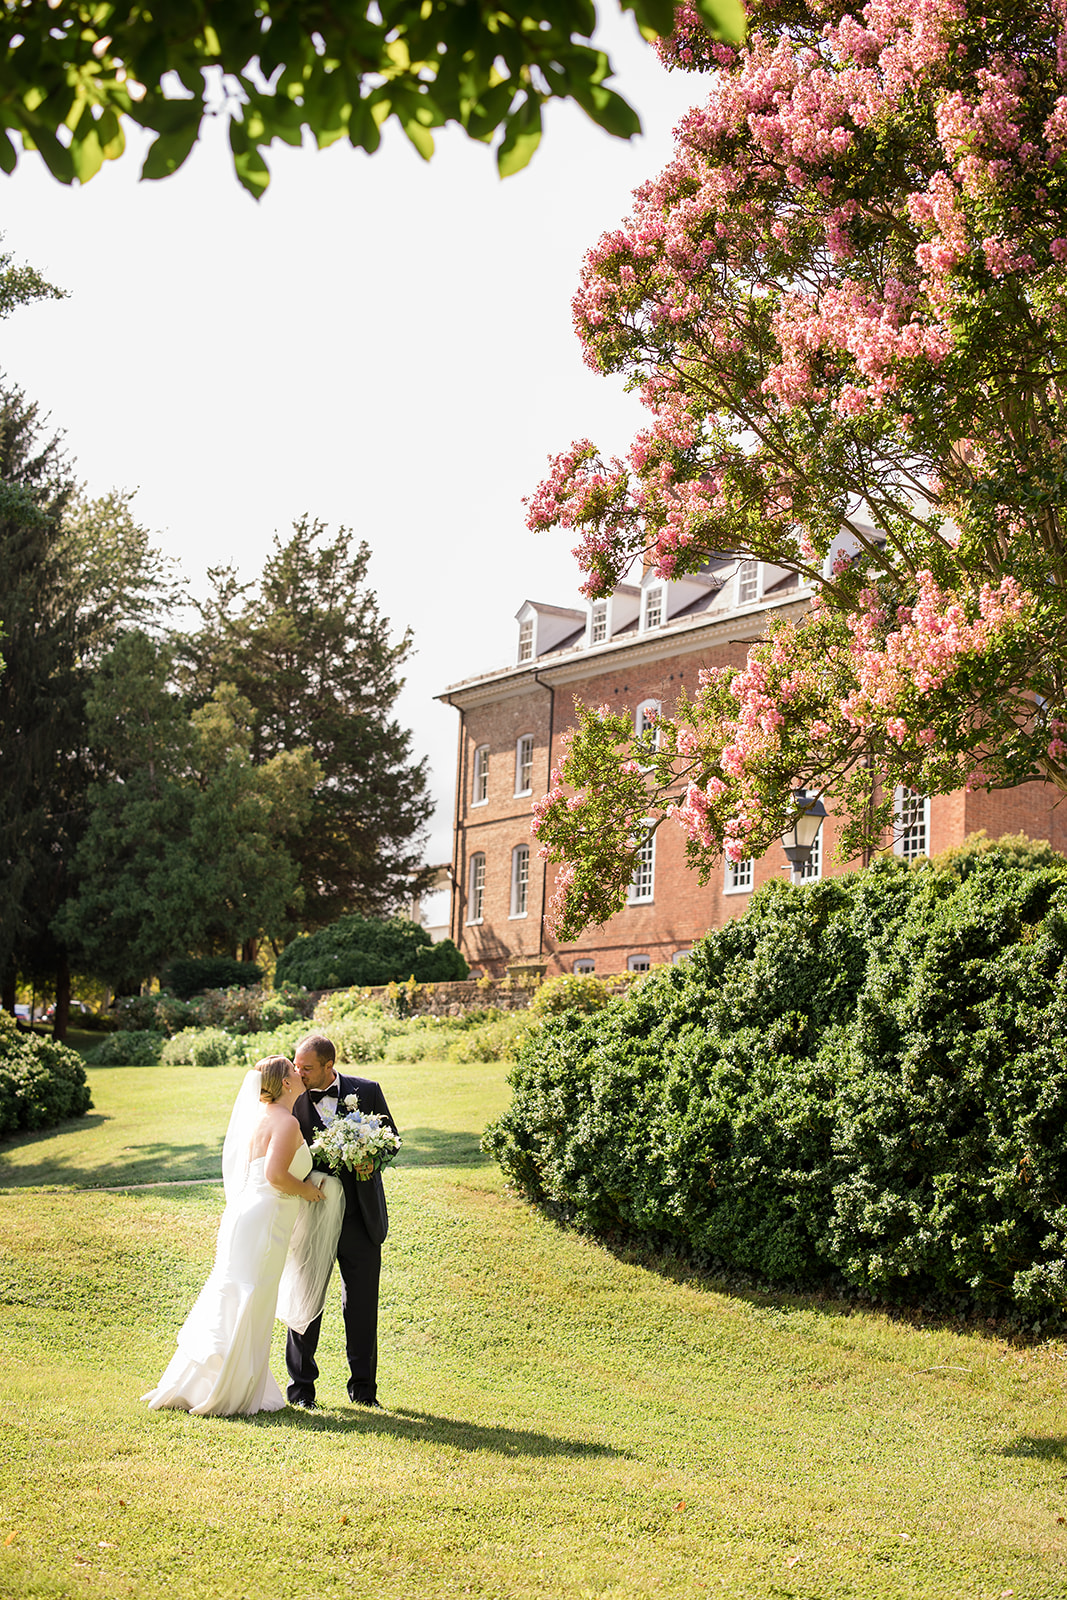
<point x="379" y="342"/>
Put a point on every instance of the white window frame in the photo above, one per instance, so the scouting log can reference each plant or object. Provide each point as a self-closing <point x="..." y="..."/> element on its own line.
<point x="646" y="860"/>
<point x="476" y="888"/>
<point x="520" y="881"/>
<point x="811" y="871"/>
<point x="748" y="576"/>
<point x="480" y="778"/>
<point x="656" y="591"/>
<point x="527" y="630"/>
<point x="639" y="963"/>
<point x="680" y="957"/>
<point x="599" y="622"/>
<point x="739" y="876"/>
<point x="586" y="965"/>
<point x="524" y="740"/>
<point x="641" y="717"/>
<point x="911" y="823"/>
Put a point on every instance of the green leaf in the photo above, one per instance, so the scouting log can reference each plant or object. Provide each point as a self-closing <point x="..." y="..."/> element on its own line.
<point x="86" y="155"/>
<point x="607" y="109"/>
<point x="8" y="152"/>
<point x="109" y="132"/>
<point x="420" y="137"/>
<point x="656" y="15"/>
<point x="170" y="151"/>
<point x="522" y="135"/>
<point x="251" y="169"/>
<point x="724" y="18"/>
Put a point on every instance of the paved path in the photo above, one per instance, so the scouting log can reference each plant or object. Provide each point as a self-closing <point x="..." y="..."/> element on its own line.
<point x="120" y="1188"/>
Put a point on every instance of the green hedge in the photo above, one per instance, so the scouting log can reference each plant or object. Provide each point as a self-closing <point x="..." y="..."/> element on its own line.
<point x="864" y="1078"/>
<point x="362" y="951"/>
<point x="193" y="974"/>
<point x="134" y="1047"/>
<point x="41" y="1083"/>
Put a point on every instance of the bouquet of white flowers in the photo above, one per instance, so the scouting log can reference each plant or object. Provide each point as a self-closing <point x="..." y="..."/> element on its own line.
<point x="360" y="1141"/>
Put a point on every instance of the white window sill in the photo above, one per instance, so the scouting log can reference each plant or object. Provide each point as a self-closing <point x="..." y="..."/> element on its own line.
<point x="518" y="916"/>
<point x="520" y="794"/>
<point x="474" y="922"/>
<point x="476" y="803"/>
<point x="737" y="889"/>
<point x="645" y="900"/>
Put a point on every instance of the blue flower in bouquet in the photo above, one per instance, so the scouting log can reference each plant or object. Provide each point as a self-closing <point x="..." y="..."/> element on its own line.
<point x="359" y="1141"/>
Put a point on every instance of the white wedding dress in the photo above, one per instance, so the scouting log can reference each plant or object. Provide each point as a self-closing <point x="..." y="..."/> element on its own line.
<point x="221" y="1366"/>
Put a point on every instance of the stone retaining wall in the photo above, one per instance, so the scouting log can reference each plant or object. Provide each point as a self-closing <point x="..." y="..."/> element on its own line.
<point x="453" y="999"/>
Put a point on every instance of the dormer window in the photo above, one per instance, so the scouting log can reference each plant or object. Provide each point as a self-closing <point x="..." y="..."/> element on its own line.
<point x="598" y="623"/>
<point x="747" y="583"/>
<point x="526" y="639"/>
<point x="654" y="607"/>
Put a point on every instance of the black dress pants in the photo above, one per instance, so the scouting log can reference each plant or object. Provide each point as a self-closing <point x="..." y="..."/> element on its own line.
<point x="360" y="1263"/>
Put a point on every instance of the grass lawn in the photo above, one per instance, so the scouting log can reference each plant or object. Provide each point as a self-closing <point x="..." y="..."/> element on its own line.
<point x="561" y="1422"/>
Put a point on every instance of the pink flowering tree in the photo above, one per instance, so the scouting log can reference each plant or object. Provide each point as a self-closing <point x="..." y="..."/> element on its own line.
<point x="844" y="304"/>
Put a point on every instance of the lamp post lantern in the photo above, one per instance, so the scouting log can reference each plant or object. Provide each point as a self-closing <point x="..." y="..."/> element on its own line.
<point x="799" y="840"/>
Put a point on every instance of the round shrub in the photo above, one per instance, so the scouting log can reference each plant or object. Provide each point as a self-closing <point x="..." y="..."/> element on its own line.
<point x="213" y="1047"/>
<point x="573" y="991"/>
<point x="154" y="1013"/>
<point x="862" y="1078"/>
<point x="138" y="1047"/>
<point x="178" y="1051"/>
<point x="41" y="1082"/>
<point x="367" y="951"/>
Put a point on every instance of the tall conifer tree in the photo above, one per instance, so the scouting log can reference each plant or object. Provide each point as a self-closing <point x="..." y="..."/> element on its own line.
<point x="309" y="649"/>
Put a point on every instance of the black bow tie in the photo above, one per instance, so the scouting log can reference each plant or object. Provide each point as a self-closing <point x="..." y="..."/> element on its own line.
<point x="315" y="1095"/>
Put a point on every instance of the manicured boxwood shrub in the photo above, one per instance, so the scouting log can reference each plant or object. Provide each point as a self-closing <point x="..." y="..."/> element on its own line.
<point x="863" y="1078"/>
<point x="41" y="1082"/>
<point x="361" y="951"/>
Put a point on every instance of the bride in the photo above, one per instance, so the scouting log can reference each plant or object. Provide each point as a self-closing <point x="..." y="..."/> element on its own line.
<point x="220" y="1365"/>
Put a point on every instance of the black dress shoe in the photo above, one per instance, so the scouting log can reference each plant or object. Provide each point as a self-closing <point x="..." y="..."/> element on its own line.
<point x="371" y="1405"/>
<point x="303" y="1405"/>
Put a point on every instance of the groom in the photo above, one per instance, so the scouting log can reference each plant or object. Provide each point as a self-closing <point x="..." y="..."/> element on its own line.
<point x="359" y="1249"/>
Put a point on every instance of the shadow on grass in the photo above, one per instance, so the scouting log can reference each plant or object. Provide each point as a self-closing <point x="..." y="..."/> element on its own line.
<point x="833" y="1299"/>
<point x="1038" y="1447"/>
<point x="142" y="1163"/>
<point x="423" y="1427"/>
<point x="437" y="1147"/>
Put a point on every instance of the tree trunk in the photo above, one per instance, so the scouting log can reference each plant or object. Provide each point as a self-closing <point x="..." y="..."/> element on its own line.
<point x="248" y="949"/>
<point x="61" y="1015"/>
<point x="7" y="992"/>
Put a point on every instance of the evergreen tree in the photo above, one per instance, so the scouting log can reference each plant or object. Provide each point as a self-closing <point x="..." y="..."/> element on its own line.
<point x="40" y="687"/>
<point x="309" y="649"/>
<point x="184" y="847"/>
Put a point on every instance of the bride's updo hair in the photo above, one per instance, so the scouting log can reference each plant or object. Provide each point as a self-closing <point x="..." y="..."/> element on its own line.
<point x="273" y="1070"/>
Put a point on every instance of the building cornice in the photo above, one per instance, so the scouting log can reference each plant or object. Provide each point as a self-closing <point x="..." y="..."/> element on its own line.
<point x="741" y="626"/>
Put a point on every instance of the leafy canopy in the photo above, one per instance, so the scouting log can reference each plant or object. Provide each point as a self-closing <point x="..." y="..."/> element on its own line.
<point x="844" y="303"/>
<point x="184" y="848"/>
<point x="72" y="71"/>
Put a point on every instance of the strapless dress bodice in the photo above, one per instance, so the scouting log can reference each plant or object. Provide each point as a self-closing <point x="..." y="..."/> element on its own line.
<point x="299" y="1166"/>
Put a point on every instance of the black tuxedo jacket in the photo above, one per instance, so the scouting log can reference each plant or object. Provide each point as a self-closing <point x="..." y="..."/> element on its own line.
<point x="364" y="1197"/>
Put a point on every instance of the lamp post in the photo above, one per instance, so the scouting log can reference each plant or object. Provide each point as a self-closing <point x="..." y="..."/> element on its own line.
<point x="799" y="840"/>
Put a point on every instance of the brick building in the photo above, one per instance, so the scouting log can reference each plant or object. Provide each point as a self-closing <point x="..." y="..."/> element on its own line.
<point x="637" y="649"/>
